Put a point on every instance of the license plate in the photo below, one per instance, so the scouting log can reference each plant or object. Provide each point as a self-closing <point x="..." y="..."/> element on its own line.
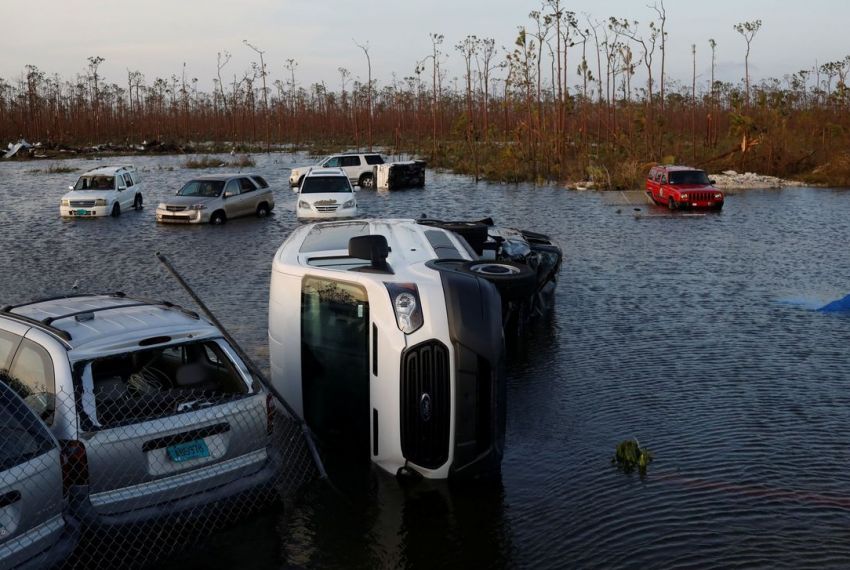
<point x="180" y="452"/>
<point x="82" y="212"/>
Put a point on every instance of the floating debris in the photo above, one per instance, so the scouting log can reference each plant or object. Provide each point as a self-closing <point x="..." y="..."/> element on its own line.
<point x="629" y="456"/>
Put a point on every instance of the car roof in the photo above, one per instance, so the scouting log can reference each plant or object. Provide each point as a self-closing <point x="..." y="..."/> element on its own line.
<point x="327" y="172"/>
<point x="676" y="167"/>
<point x="356" y="154"/>
<point x="107" y="170"/>
<point x="96" y="325"/>
<point x="225" y="176"/>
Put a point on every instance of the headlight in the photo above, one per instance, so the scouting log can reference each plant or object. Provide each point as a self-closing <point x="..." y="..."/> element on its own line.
<point x="349" y="204"/>
<point x="66" y="203"/>
<point x="407" y="307"/>
<point x="303" y="205"/>
<point x="684" y="196"/>
<point x="100" y="202"/>
<point x="198" y="207"/>
<point x="718" y="196"/>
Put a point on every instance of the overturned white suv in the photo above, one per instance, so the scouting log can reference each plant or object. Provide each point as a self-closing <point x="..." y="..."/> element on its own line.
<point x="387" y="336"/>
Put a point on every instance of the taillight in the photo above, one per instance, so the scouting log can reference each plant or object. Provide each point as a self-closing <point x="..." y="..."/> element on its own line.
<point x="75" y="465"/>
<point x="270" y="412"/>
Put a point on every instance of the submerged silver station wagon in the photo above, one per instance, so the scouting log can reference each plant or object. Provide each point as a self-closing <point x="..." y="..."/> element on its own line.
<point x="216" y="198"/>
<point x="155" y="412"/>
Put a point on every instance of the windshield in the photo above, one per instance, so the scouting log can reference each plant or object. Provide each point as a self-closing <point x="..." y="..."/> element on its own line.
<point x="322" y="184"/>
<point x="202" y="188"/>
<point x="95" y="183"/>
<point x="689" y="177"/>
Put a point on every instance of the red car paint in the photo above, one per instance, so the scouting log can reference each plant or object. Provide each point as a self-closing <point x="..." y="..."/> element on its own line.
<point x="682" y="187"/>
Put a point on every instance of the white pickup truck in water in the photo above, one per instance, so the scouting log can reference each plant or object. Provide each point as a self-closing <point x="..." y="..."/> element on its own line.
<point x="386" y="336"/>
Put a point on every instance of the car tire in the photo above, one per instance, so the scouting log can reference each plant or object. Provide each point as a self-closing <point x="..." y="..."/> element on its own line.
<point x="671" y="203"/>
<point x="263" y="210"/>
<point x="137" y="202"/>
<point x="366" y="181"/>
<point x="116" y="210"/>
<point x="218" y="218"/>
<point x="513" y="280"/>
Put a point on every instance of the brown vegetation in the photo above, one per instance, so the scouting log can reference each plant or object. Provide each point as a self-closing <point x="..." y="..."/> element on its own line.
<point x="573" y="98"/>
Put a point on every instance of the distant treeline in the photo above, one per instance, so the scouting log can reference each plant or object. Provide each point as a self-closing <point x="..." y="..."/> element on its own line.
<point x="572" y="98"/>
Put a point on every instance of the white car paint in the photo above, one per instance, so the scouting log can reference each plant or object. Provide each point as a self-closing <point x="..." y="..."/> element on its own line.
<point x="98" y="191"/>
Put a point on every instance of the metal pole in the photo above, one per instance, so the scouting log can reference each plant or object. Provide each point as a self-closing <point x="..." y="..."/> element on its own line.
<point x="311" y="444"/>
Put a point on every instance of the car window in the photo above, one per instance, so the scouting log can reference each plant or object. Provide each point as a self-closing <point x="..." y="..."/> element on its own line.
<point x="320" y="184"/>
<point x="333" y="162"/>
<point x="689" y="177"/>
<point x="128" y="180"/>
<point x="246" y="185"/>
<point x="350" y="161"/>
<point x="374" y="159"/>
<point x="97" y="182"/>
<point x="32" y="372"/>
<point x="232" y="187"/>
<point x="22" y="436"/>
<point x="202" y="188"/>
<point x="157" y="382"/>
<point x="8" y="344"/>
<point x="261" y="182"/>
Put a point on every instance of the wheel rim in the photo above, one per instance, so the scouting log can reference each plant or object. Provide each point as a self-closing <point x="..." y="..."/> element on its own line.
<point x="262" y="211"/>
<point x="367" y="182"/>
<point x="494" y="269"/>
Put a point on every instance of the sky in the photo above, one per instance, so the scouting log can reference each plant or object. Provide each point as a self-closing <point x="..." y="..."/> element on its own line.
<point x="160" y="37"/>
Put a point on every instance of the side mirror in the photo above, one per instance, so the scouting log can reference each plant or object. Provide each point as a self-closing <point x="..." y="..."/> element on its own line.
<point x="70" y="187"/>
<point x="712" y="182"/>
<point x="122" y="188"/>
<point x="229" y="194"/>
<point x="295" y="189"/>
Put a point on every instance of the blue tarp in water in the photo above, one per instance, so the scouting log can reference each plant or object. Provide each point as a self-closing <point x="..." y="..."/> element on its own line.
<point x="841" y="305"/>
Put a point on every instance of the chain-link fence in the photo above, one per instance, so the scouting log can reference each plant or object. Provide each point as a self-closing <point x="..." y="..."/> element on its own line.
<point x="146" y="454"/>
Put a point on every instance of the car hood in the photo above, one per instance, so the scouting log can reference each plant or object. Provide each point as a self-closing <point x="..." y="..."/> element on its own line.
<point x="689" y="187"/>
<point x="189" y="200"/>
<point x="330" y="197"/>
<point x="89" y="194"/>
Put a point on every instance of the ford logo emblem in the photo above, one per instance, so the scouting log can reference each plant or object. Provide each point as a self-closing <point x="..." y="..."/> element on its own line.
<point x="425" y="407"/>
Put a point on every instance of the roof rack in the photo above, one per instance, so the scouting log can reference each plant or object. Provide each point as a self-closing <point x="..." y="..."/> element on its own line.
<point x="65" y="336"/>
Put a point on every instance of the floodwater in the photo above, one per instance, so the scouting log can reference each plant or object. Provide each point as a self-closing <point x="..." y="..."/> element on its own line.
<point x="697" y="335"/>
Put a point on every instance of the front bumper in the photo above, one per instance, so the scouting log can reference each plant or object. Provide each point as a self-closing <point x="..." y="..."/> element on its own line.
<point x="312" y="214"/>
<point x="182" y="217"/>
<point x="701" y="204"/>
<point x="91" y="212"/>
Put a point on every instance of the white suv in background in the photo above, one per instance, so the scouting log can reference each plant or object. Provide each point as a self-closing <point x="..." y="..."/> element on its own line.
<point x="325" y="193"/>
<point x="104" y="191"/>
<point x="357" y="166"/>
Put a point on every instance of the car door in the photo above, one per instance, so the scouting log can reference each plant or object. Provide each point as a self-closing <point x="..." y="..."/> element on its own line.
<point x="122" y="193"/>
<point x="31" y="500"/>
<point x="248" y="196"/>
<point x="351" y="167"/>
<point x="231" y="198"/>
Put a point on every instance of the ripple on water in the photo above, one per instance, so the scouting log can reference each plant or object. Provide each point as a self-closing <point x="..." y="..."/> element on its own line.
<point x="672" y="330"/>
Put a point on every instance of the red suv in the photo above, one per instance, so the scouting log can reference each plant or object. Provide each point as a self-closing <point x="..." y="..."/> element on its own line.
<point x="682" y="187"/>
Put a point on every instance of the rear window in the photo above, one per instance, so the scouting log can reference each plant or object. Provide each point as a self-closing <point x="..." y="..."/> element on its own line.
<point x="350" y="161"/>
<point x="261" y="182"/>
<point x="32" y="374"/>
<point x="374" y="159"/>
<point x="22" y="436"/>
<point x="322" y="184"/>
<point x="157" y="382"/>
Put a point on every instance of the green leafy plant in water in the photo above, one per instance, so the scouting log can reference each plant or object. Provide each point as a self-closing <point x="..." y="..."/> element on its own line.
<point x="629" y="456"/>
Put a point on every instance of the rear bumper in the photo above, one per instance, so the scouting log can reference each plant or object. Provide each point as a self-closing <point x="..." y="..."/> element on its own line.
<point x="59" y="552"/>
<point x="200" y="504"/>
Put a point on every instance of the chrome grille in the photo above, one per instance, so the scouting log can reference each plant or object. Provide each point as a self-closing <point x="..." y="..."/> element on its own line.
<point x="82" y="203"/>
<point x="425" y="404"/>
<point x="326" y="209"/>
<point x="175" y="208"/>
<point x="701" y="196"/>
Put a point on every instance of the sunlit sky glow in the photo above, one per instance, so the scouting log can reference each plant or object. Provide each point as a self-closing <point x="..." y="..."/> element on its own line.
<point x="157" y="37"/>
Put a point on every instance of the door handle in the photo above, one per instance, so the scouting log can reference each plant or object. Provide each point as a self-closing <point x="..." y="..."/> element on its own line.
<point x="9" y="499"/>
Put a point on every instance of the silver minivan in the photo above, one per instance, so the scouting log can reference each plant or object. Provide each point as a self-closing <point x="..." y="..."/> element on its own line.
<point x="33" y="531"/>
<point x="216" y="198"/>
<point x="156" y="413"/>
